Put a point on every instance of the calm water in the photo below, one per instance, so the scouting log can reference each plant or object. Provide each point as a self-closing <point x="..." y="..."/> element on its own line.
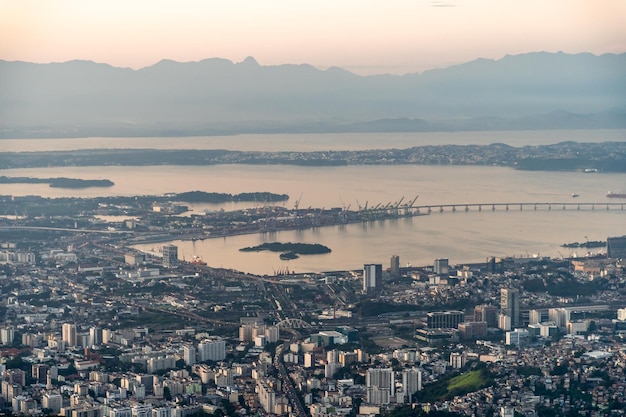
<point x="315" y="142"/>
<point x="461" y="237"/>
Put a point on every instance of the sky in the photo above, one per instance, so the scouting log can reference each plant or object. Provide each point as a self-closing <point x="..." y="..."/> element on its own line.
<point x="363" y="36"/>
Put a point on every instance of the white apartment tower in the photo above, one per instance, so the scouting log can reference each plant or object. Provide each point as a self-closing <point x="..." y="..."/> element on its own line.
<point x="411" y="382"/>
<point x="372" y="277"/>
<point x="380" y="385"/>
<point x="69" y="335"/>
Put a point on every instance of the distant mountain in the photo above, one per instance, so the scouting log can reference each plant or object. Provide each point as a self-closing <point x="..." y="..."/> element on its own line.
<point x="216" y="96"/>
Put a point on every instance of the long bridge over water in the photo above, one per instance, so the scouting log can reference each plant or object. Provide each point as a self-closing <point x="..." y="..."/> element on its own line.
<point x="512" y="206"/>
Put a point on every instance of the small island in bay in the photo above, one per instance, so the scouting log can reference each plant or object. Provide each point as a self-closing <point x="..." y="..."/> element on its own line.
<point x="289" y="250"/>
<point x="60" y="182"/>
<point x="288" y="256"/>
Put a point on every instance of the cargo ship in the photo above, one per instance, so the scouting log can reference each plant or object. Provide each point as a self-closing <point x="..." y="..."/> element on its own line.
<point x="615" y="195"/>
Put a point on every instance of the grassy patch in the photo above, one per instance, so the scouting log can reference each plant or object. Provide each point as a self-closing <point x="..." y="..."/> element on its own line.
<point x="448" y="388"/>
<point x="472" y="380"/>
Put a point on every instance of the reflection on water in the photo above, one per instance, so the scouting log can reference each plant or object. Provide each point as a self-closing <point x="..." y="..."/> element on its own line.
<point x="461" y="237"/>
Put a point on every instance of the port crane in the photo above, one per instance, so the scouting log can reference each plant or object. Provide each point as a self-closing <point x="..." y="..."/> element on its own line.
<point x="296" y="204"/>
<point x="408" y="206"/>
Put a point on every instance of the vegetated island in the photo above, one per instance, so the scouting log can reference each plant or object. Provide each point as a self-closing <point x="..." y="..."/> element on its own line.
<point x="60" y="182"/>
<point x="589" y="244"/>
<point x="290" y="250"/>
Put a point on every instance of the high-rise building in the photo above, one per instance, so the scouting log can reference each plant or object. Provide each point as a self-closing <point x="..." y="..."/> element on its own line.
<point x="95" y="336"/>
<point x="411" y="383"/>
<point x="69" y="336"/>
<point x="509" y="305"/>
<point x="536" y="316"/>
<point x="486" y="313"/>
<point x="372" y="277"/>
<point x="7" y="334"/>
<point x="189" y="355"/>
<point x="457" y="360"/>
<point x="380" y="384"/>
<point x="616" y="247"/>
<point x="213" y="349"/>
<point x="394" y="268"/>
<point x="170" y="256"/>
<point x="441" y="267"/>
<point x="560" y="316"/>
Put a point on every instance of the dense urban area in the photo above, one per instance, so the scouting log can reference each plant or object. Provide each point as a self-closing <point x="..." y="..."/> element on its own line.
<point x="94" y="328"/>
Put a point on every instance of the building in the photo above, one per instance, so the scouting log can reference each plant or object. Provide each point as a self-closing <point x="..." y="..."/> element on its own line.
<point x="457" y="360"/>
<point x="486" y="313"/>
<point x="509" y="305"/>
<point x="504" y="322"/>
<point x="537" y="316"/>
<point x="441" y="267"/>
<point x="53" y="401"/>
<point x="411" y="383"/>
<point x="7" y="335"/>
<point x="134" y="258"/>
<point x="189" y="355"/>
<point x="211" y="350"/>
<point x="69" y="335"/>
<point x="95" y="336"/>
<point x="170" y="256"/>
<point x="372" y="277"/>
<point x="444" y="319"/>
<point x="394" y="268"/>
<point x="616" y="247"/>
<point x="494" y="265"/>
<point x="560" y="316"/>
<point x="380" y="383"/>
<point x="471" y="330"/>
<point x="518" y="337"/>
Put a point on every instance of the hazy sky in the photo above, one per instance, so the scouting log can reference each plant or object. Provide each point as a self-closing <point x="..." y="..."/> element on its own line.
<point x="364" y="36"/>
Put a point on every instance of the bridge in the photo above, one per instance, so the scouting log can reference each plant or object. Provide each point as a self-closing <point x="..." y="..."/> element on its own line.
<point x="519" y="206"/>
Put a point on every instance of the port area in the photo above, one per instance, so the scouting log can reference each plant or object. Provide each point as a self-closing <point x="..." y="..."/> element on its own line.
<point x="267" y="219"/>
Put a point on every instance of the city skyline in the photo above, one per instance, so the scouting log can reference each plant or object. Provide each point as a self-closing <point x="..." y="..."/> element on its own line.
<point x="365" y="38"/>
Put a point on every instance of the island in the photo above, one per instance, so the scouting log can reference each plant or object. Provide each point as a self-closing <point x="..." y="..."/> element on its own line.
<point x="60" y="182"/>
<point x="289" y="250"/>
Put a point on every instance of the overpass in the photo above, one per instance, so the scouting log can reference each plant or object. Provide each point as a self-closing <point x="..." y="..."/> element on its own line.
<point x="66" y="229"/>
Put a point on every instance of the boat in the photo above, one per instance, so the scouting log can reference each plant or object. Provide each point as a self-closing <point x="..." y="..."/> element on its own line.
<point x="615" y="195"/>
<point x="574" y="195"/>
<point x="197" y="260"/>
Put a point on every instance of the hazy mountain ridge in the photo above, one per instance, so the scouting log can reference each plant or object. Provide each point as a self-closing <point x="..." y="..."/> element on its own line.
<point x="529" y="91"/>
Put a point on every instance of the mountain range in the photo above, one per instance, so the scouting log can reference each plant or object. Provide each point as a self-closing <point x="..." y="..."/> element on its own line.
<point x="215" y="96"/>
